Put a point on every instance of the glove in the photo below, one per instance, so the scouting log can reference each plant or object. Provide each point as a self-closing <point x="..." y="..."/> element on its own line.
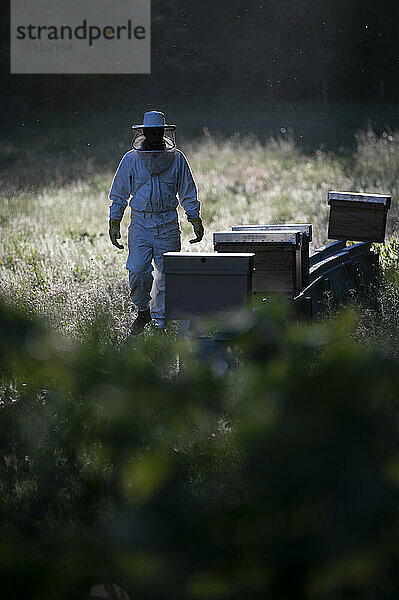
<point x="115" y="232"/>
<point x="196" y="222"/>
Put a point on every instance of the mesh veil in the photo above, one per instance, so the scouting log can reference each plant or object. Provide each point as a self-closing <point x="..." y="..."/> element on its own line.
<point x="155" y="161"/>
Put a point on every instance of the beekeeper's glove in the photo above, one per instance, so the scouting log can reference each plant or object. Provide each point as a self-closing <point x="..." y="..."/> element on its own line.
<point x="115" y="232"/>
<point x="198" y="229"/>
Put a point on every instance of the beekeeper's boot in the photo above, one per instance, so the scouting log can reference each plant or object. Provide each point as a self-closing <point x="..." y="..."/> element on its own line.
<point x="140" y="322"/>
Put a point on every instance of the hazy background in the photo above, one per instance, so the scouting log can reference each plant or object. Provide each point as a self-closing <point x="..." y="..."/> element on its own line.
<point x="323" y="69"/>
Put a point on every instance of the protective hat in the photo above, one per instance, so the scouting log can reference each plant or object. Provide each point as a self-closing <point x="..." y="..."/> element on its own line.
<point x="154" y="118"/>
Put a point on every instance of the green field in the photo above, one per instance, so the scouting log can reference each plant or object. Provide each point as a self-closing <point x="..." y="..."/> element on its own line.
<point x="131" y="461"/>
<point x="56" y="256"/>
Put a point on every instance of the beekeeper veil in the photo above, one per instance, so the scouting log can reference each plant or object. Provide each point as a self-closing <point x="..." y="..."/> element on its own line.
<point x="155" y="160"/>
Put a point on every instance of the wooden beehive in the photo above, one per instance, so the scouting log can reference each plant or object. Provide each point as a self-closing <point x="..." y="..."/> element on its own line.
<point x="278" y="265"/>
<point x="357" y="216"/>
<point x="304" y="228"/>
<point x="206" y="283"/>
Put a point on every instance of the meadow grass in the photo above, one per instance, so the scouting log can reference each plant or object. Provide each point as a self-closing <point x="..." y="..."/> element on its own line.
<point x="88" y="440"/>
<point x="56" y="258"/>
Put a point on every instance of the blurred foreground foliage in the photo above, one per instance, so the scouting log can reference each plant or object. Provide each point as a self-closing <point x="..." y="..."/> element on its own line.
<point x="143" y="466"/>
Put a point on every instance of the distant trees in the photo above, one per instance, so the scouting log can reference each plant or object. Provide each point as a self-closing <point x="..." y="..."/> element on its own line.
<point x="302" y="49"/>
<point x="330" y="50"/>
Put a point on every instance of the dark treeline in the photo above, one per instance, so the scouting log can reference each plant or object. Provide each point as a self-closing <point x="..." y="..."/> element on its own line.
<point x="266" y="49"/>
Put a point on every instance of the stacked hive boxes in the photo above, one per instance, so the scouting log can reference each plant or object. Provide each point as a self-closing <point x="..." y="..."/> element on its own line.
<point x="281" y="256"/>
<point x="263" y="261"/>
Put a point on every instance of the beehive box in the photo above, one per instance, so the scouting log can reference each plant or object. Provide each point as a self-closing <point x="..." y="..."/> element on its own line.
<point x="357" y="216"/>
<point x="304" y="228"/>
<point x="206" y="283"/>
<point x="278" y="264"/>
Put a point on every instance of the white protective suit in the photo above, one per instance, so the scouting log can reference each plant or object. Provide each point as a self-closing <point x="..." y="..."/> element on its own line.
<point x="152" y="181"/>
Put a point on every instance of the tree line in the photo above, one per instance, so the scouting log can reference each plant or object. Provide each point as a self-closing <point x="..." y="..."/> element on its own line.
<point x="308" y="50"/>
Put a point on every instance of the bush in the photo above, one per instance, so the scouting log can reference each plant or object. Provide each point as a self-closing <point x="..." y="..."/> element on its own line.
<point x="278" y="479"/>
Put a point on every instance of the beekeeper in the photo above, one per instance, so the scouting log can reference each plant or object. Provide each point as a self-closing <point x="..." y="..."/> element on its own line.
<point x="155" y="175"/>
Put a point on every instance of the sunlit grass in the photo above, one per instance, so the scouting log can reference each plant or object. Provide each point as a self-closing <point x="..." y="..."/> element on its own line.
<point x="92" y="436"/>
<point x="56" y="257"/>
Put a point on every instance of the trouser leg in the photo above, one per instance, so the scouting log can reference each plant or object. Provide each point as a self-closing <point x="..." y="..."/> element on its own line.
<point x="168" y="240"/>
<point x="139" y="265"/>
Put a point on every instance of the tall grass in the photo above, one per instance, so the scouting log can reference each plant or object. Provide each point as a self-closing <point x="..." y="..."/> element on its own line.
<point x="55" y="255"/>
<point x="278" y="479"/>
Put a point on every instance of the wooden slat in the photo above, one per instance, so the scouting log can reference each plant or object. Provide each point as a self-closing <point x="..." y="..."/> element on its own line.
<point x="360" y="197"/>
<point x="360" y="224"/>
<point x="268" y="281"/>
<point x="275" y="268"/>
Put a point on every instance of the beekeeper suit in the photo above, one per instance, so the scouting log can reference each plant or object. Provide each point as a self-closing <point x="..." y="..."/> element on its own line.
<point x="152" y="175"/>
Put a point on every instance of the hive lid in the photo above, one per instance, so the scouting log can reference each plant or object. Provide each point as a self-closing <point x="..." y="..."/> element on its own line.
<point x="305" y="228"/>
<point x="378" y="199"/>
<point x="281" y="236"/>
<point x="208" y="262"/>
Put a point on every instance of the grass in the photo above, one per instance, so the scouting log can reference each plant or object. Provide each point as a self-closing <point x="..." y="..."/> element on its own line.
<point x="102" y="434"/>
<point x="56" y="257"/>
